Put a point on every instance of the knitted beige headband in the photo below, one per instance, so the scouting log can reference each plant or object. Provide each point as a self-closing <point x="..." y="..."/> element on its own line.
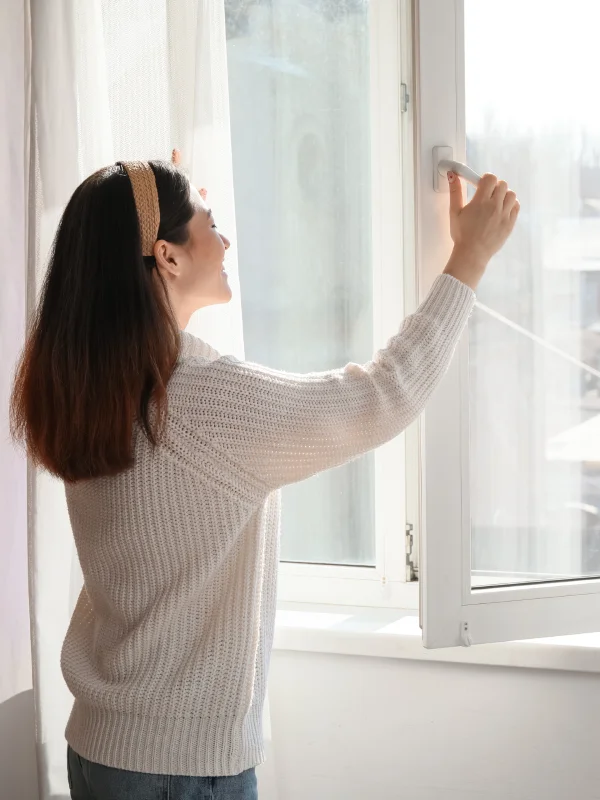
<point x="145" y="195"/>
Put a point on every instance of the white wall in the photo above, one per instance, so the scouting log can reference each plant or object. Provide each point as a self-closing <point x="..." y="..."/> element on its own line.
<point x="18" y="767"/>
<point x="351" y="728"/>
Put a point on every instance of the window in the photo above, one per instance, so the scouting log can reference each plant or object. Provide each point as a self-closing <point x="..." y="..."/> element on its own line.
<point x="534" y="340"/>
<point x="512" y="439"/>
<point x="505" y="468"/>
<point x="321" y="155"/>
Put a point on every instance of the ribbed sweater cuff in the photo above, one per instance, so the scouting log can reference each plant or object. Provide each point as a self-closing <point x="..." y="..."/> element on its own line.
<point x="451" y="300"/>
<point x="207" y="747"/>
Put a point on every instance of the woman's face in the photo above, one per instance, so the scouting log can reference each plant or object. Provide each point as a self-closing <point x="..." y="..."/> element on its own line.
<point x="194" y="271"/>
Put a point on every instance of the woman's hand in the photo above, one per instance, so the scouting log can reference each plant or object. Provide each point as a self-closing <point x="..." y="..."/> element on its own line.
<point x="480" y="228"/>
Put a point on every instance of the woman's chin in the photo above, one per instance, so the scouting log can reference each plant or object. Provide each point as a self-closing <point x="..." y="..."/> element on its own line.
<point x="227" y="294"/>
<point x="220" y="298"/>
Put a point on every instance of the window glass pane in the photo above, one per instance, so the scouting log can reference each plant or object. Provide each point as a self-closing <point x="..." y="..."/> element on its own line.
<point x="299" y="93"/>
<point x="533" y="119"/>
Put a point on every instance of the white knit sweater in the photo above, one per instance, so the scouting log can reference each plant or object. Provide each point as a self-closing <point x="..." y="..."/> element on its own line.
<point x="168" y="649"/>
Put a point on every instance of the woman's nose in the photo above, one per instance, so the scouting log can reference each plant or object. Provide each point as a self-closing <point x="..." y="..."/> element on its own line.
<point x="226" y="241"/>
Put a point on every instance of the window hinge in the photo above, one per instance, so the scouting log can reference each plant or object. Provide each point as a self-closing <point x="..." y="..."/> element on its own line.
<point x="405" y="97"/>
<point x="465" y="635"/>
<point x="412" y="569"/>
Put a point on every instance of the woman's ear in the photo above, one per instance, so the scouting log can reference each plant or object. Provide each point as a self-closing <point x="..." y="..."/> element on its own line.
<point x="166" y="257"/>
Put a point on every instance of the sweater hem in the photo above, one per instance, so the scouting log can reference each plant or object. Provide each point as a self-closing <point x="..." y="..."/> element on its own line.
<point x="194" y="746"/>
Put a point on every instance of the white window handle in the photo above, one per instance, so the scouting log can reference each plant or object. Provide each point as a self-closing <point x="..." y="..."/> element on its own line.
<point x="443" y="163"/>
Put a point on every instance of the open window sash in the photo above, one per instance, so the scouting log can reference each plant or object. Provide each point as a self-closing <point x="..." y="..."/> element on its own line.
<point x="538" y="523"/>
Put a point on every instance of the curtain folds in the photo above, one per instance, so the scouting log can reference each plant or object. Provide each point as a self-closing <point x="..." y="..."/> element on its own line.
<point x="114" y="80"/>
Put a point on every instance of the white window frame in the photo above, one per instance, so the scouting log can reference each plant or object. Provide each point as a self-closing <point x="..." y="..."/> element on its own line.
<point x="394" y="293"/>
<point x="452" y="612"/>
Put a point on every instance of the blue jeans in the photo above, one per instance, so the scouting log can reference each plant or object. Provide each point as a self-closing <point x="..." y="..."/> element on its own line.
<point x="91" y="781"/>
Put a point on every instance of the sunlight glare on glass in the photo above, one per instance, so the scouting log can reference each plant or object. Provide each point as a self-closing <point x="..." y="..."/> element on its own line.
<point x="548" y="45"/>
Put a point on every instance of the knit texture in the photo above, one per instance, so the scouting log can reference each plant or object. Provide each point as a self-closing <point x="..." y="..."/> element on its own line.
<point x="168" y="648"/>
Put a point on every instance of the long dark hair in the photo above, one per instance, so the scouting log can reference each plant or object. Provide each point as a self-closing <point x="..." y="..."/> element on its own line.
<point x="104" y="339"/>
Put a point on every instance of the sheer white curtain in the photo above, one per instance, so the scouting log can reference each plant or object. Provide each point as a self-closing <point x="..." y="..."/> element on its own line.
<point x="17" y="759"/>
<point x="112" y="80"/>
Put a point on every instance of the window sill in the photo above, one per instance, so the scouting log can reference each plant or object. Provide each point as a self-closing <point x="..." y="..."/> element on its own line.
<point x="394" y="633"/>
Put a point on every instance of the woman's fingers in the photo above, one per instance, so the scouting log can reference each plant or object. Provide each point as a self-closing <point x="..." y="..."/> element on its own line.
<point x="509" y="201"/>
<point x="499" y="193"/>
<point x="486" y="186"/>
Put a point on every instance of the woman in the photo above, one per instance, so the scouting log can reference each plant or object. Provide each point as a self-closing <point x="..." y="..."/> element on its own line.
<point x="172" y="457"/>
